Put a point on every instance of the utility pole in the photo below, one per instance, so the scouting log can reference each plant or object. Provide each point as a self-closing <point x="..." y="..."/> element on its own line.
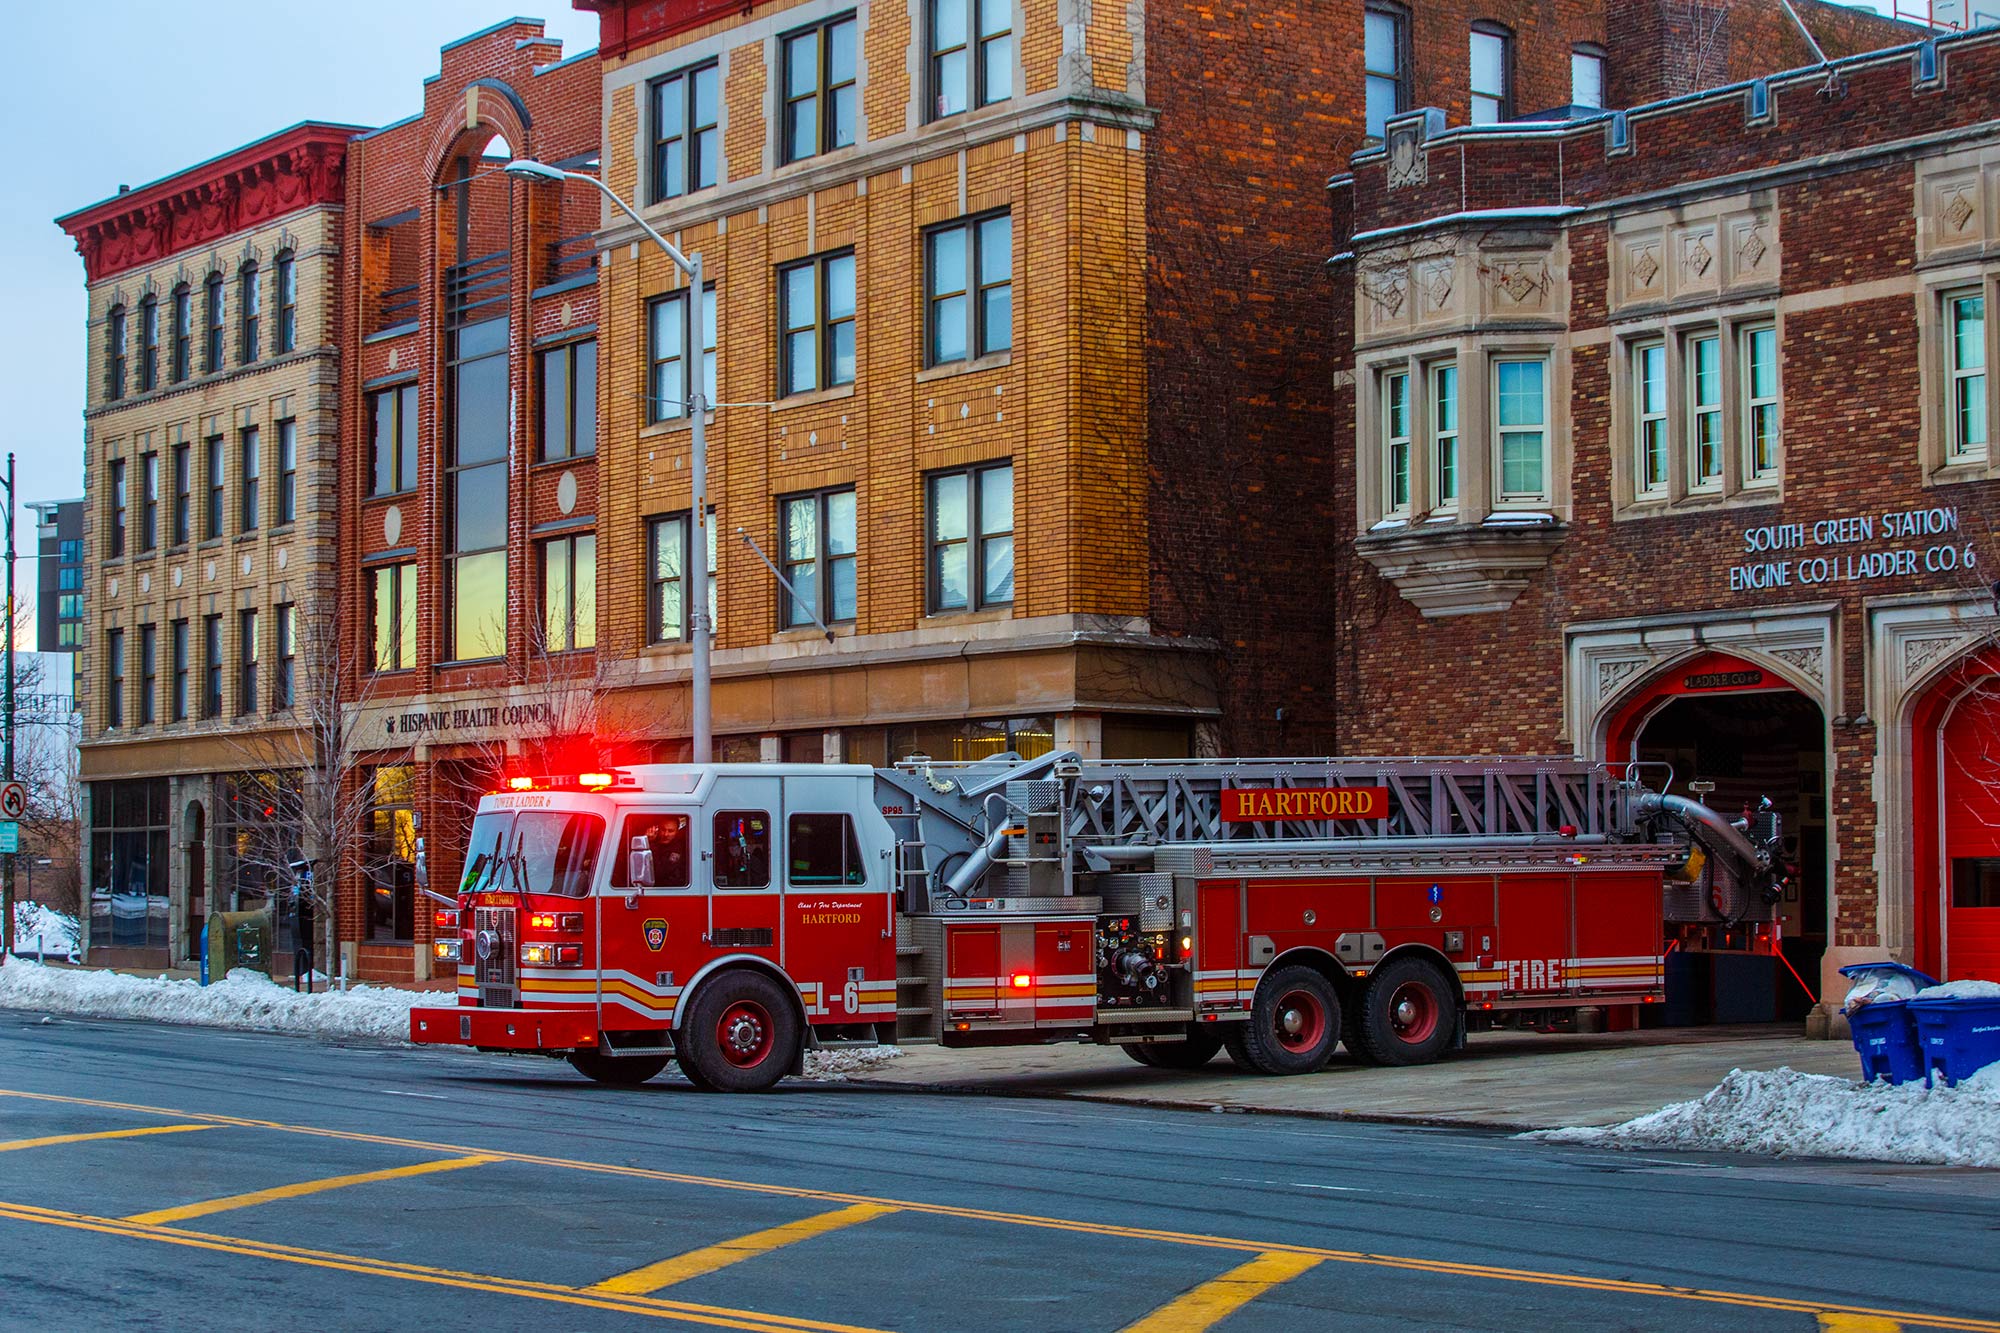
<point x="7" y="877"/>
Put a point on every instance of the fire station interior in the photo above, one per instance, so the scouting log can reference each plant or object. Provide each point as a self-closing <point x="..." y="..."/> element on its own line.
<point x="1749" y="746"/>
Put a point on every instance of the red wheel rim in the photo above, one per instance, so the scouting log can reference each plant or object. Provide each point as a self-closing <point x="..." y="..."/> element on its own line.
<point x="743" y="1034"/>
<point x="1300" y="1020"/>
<point x="1413" y="1012"/>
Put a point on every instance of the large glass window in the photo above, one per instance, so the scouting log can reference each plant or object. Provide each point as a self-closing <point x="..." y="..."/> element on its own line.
<point x="1649" y="394"/>
<point x="687" y="143"/>
<point x="822" y="100"/>
<point x="822" y="849"/>
<point x="819" y="541"/>
<point x="390" y="868"/>
<point x="129" y="833"/>
<point x="1760" y="403"/>
<point x="246" y="491"/>
<point x="568" y="379"/>
<point x="476" y="494"/>
<point x="1444" y="435"/>
<point x="569" y="593"/>
<point x="183" y="493"/>
<point x="742" y="849"/>
<point x="249" y="313"/>
<point x="114" y="353"/>
<point x="246" y="662"/>
<point x="969" y="289"/>
<point x="288" y="302"/>
<point x="1703" y="360"/>
<point x="149" y="501"/>
<point x="183" y="357"/>
<point x="1396" y="441"/>
<point x="1965" y="358"/>
<point x="1521" y="409"/>
<point x="971" y="538"/>
<point x="972" y="54"/>
<point x="392" y="606"/>
<point x="816" y="317"/>
<point x="666" y="589"/>
<point x="149" y="344"/>
<point x="211" y="329"/>
<point x="667" y="388"/>
<point x="1384" y="43"/>
<point x="288" y="471"/>
<point x="962" y="742"/>
<point x="652" y="852"/>
<point x="211" y="666"/>
<point x="1492" y="73"/>
<point x="392" y="440"/>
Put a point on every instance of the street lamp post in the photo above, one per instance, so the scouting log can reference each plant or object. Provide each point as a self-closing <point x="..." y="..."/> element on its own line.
<point x="7" y="878"/>
<point x="699" y="629"/>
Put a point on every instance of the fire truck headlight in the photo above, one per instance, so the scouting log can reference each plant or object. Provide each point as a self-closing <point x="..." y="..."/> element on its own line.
<point x="1187" y="944"/>
<point x="537" y="955"/>
<point x="445" y="951"/>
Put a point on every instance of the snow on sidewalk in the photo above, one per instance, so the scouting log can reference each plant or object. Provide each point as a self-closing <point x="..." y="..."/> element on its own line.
<point x="43" y="931"/>
<point x="1784" y="1113"/>
<point x="252" y="1000"/>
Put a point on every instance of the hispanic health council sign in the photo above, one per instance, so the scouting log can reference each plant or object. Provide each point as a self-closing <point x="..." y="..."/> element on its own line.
<point x="1245" y="805"/>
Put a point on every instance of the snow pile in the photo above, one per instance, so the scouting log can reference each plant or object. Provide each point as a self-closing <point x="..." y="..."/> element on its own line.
<point x="1962" y="990"/>
<point x="241" y="1000"/>
<point x="1785" y="1113"/>
<point x="835" y="1066"/>
<point x="44" y="932"/>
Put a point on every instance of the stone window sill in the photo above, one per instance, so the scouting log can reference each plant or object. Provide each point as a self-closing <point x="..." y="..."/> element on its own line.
<point x="1459" y="569"/>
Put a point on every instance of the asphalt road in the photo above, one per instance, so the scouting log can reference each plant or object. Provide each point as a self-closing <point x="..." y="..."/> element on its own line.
<point x="155" y="1177"/>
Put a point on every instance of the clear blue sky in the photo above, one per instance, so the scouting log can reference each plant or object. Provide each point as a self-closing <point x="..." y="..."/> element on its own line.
<point x="128" y="91"/>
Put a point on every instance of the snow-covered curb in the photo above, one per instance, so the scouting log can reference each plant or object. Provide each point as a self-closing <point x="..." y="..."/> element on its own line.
<point x="43" y="931"/>
<point x="252" y="1000"/>
<point x="1785" y="1113"/>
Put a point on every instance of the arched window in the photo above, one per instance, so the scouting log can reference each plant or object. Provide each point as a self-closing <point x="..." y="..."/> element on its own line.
<point x="183" y="332"/>
<point x="288" y="303"/>
<point x="114" y="353"/>
<point x="149" y="343"/>
<point x="249" y="309"/>
<point x="1492" y="79"/>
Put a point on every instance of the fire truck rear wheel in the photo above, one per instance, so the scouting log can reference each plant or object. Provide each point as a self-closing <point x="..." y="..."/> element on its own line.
<point x="1294" y="1024"/>
<point x="624" y="1071"/>
<point x="741" y="1035"/>
<point x="1196" y="1051"/>
<point x="1407" y="1014"/>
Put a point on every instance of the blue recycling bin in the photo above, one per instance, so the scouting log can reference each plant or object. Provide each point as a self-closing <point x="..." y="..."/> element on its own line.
<point x="1957" y="1035"/>
<point x="1885" y="1032"/>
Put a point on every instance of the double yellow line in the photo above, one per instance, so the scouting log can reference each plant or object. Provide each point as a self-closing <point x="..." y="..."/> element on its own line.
<point x="1261" y="1249"/>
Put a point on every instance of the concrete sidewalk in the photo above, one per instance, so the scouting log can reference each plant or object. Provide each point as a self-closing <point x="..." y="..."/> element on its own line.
<point x="1504" y="1080"/>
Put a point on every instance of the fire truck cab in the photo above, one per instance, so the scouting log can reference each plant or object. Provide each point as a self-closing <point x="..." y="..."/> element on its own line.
<point x="730" y="916"/>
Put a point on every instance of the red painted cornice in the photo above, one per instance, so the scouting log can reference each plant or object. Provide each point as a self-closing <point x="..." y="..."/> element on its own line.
<point x="624" y="25"/>
<point x="246" y="187"/>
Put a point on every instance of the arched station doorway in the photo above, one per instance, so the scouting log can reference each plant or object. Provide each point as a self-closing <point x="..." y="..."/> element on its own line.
<point x="1732" y="732"/>
<point x="1955" y="736"/>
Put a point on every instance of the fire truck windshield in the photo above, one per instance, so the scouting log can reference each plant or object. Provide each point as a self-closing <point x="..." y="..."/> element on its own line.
<point x="534" y="851"/>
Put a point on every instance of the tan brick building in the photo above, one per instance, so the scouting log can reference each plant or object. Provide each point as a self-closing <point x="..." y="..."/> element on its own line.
<point x="211" y="423"/>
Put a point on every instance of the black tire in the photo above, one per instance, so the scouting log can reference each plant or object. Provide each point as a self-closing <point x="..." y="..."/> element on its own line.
<point x="1199" y="1048"/>
<point x="620" y="1071"/>
<point x="1294" y="1024"/>
<point x="1350" y="1027"/>
<point x="1408" y="1013"/>
<point x="741" y="1035"/>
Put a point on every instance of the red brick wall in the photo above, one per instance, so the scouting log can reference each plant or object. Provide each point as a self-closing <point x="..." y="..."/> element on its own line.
<point x="1667" y="48"/>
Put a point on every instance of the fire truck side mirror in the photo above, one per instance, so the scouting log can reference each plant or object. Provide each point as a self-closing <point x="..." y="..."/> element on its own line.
<point x="639" y="863"/>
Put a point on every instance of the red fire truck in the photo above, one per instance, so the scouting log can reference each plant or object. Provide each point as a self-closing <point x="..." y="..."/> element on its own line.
<point x="732" y="916"/>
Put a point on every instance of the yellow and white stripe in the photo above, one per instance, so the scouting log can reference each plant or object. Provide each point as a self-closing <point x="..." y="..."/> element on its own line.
<point x="1632" y="972"/>
<point x="1230" y="986"/>
<point x="563" y="986"/>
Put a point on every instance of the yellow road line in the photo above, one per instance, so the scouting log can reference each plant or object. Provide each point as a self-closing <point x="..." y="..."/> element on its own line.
<point x="1534" y="1277"/>
<point x="189" y="1211"/>
<point x="1845" y="1323"/>
<point x="55" y="1139"/>
<point x="665" y="1273"/>
<point x="1213" y="1301"/>
<point x="720" y="1316"/>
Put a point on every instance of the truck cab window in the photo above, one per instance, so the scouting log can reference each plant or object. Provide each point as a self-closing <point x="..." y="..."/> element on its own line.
<point x="652" y="853"/>
<point x="742" y="849"/>
<point x="557" y="851"/>
<point x="485" y="849"/>
<point x="823" y="850"/>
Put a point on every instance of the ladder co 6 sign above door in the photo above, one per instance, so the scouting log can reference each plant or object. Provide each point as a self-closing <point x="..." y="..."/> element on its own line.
<point x="1243" y="805"/>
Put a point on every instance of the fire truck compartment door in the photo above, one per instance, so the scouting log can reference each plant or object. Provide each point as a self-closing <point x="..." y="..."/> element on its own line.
<point x="742" y="842"/>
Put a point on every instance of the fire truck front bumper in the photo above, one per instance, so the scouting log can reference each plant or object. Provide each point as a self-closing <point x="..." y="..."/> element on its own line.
<point x="505" y="1029"/>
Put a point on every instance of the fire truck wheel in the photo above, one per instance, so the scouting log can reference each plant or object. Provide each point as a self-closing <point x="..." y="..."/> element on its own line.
<point x="624" y="1071"/>
<point x="1196" y="1051"/>
<point x="1406" y="1014"/>
<point x="740" y="1036"/>
<point x="1294" y="1024"/>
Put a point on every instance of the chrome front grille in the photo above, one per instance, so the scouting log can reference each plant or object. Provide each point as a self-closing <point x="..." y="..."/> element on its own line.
<point x="494" y="957"/>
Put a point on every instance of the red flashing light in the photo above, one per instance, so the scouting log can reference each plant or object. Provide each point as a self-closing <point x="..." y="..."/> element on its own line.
<point x="445" y="918"/>
<point x="1022" y="981"/>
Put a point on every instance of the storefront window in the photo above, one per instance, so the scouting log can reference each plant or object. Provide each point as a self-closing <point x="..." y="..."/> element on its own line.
<point x="260" y="838"/>
<point x="128" y="864"/>
<point x="390" y="870"/>
<point x="963" y="742"/>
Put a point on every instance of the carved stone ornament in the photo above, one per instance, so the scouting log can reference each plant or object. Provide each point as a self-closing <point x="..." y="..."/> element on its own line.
<point x="1520" y="279"/>
<point x="1611" y="675"/>
<point x="1810" y="662"/>
<point x="1388" y="289"/>
<point x="1437" y="285"/>
<point x="1959" y="211"/>
<point x="1699" y="257"/>
<point x="1920" y="653"/>
<point x="1645" y="268"/>
<point x="1408" y="163"/>
<point x="1752" y="251"/>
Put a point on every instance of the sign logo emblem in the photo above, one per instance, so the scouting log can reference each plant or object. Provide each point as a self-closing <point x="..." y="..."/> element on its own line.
<point x="656" y="934"/>
<point x="13" y="801"/>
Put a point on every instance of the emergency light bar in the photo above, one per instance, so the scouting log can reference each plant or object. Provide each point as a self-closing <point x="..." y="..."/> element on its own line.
<point x="598" y="781"/>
